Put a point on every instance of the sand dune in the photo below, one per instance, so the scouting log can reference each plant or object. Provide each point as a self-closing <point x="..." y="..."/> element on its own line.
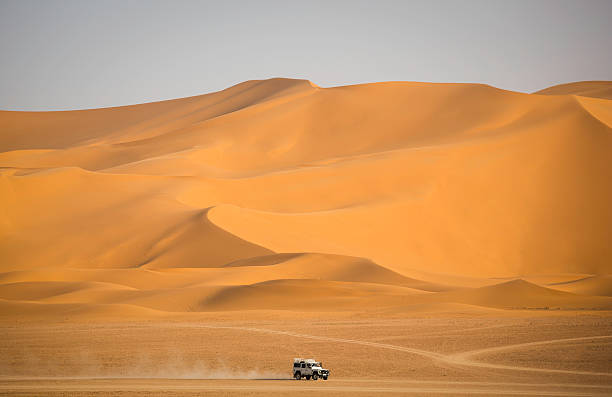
<point x="591" y="285"/>
<point x="522" y="294"/>
<point x="326" y="295"/>
<point x="78" y="299"/>
<point x="594" y="89"/>
<point x="401" y="196"/>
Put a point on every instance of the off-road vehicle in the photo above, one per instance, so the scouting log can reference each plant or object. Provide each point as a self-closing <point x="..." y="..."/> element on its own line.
<point x="309" y="368"/>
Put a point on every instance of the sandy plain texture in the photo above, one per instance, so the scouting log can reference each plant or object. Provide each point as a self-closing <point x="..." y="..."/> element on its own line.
<point x="416" y="237"/>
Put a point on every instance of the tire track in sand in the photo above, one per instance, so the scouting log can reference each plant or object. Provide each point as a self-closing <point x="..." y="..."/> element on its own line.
<point x="464" y="358"/>
<point x="460" y="359"/>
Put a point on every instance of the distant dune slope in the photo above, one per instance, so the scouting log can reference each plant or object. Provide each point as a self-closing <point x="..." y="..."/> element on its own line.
<point x="594" y="89"/>
<point x="200" y="203"/>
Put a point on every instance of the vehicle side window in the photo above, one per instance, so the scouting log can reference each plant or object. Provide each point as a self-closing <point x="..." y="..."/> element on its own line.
<point x="309" y="365"/>
<point x="296" y="365"/>
<point x="303" y="365"/>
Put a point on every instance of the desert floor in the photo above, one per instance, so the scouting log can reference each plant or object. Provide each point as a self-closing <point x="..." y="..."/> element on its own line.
<point x="526" y="353"/>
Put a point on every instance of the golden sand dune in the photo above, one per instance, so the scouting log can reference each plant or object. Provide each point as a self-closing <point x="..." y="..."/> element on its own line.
<point x="329" y="295"/>
<point x="594" y="89"/>
<point x="392" y="195"/>
<point x="522" y="294"/>
<point x="591" y="285"/>
<point x="305" y="294"/>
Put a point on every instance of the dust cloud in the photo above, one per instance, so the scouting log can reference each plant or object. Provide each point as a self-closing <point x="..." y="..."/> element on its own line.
<point x="141" y="366"/>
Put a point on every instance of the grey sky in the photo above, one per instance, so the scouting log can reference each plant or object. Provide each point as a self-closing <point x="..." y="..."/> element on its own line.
<point x="84" y="54"/>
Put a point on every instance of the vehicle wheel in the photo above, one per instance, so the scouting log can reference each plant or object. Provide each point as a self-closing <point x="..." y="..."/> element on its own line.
<point x="297" y="376"/>
<point x="315" y="376"/>
<point x="325" y="378"/>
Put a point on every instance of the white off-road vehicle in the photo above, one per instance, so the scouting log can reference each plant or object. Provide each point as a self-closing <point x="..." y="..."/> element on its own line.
<point x="309" y="368"/>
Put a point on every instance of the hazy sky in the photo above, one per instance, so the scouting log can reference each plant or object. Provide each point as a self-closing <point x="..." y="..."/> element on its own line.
<point x="83" y="54"/>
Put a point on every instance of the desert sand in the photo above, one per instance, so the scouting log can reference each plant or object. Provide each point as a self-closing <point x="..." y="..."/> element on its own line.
<point x="416" y="237"/>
